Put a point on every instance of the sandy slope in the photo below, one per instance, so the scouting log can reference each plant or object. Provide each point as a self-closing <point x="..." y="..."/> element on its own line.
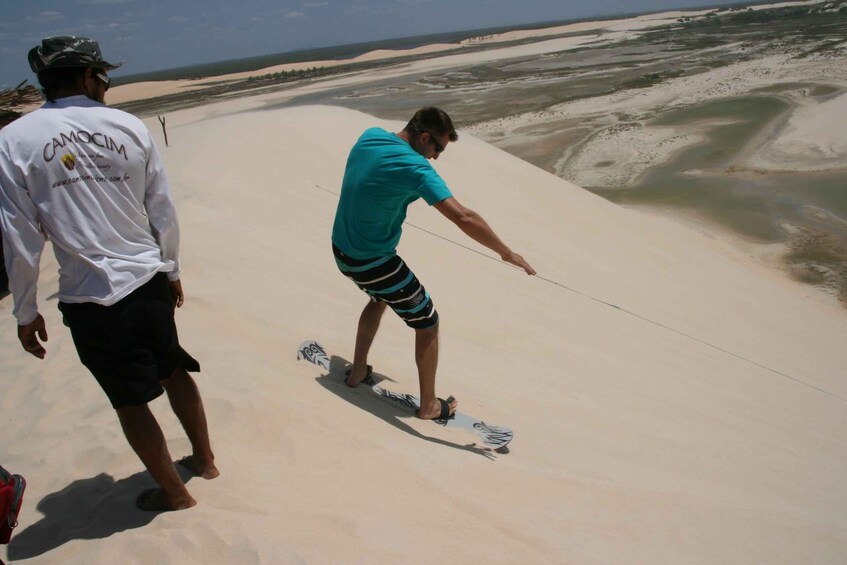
<point x="672" y="402"/>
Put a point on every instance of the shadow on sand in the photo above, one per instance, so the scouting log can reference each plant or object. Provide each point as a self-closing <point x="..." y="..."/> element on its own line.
<point x="92" y="508"/>
<point x="363" y="398"/>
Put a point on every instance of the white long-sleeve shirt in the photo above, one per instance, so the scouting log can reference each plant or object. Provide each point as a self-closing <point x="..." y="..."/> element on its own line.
<point x="89" y="178"/>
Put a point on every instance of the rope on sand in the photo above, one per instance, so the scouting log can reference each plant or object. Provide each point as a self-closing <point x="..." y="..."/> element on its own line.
<point x="624" y="310"/>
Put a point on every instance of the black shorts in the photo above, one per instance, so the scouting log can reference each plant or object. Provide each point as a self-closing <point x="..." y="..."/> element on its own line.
<point x="388" y="279"/>
<point x="132" y="345"/>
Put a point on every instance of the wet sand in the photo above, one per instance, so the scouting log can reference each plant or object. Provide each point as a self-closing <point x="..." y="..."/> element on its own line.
<point x="739" y="135"/>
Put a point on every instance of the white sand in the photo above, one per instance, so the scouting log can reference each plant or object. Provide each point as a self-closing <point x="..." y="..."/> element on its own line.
<point x="150" y="89"/>
<point x="633" y="441"/>
<point x="606" y="28"/>
<point x="813" y="139"/>
<point x="701" y="421"/>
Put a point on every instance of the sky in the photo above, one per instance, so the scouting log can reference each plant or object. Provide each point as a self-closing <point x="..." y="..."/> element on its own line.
<point x="161" y="34"/>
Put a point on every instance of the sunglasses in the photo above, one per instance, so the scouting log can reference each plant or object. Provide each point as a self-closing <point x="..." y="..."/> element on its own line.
<point x="106" y="80"/>
<point x="438" y="147"/>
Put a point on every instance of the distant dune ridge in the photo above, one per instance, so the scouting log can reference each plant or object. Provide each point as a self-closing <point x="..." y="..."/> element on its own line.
<point x="673" y="400"/>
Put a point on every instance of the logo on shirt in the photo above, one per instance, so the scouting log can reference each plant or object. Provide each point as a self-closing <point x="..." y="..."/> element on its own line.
<point x="82" y="137"/>
<point x="69" y="162"/>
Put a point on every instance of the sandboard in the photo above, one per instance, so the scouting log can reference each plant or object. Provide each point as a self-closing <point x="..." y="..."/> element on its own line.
<point x="495" y="437"/>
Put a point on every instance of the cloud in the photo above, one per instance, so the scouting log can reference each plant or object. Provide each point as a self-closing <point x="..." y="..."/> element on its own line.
<point x="39" y="18"/>
<point x="314" y="4"/>
<point x="295" y="15"/>
<point x="358" y="9"/>
<point x="372" y="9"/>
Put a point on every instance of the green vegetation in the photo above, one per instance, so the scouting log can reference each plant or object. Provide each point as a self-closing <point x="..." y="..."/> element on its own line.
<point x="828" y="47"/>
<point x="821" y="260"/>
<point x="651" y="79"/>
<point x="746" y="16"/>
<point x="283" y="76"/>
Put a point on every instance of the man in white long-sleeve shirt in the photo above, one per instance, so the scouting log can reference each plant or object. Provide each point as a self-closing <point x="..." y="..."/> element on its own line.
<point x="88" y="178"/>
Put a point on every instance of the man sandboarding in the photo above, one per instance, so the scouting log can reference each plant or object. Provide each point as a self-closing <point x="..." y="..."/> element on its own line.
<point x="385" y="173"/>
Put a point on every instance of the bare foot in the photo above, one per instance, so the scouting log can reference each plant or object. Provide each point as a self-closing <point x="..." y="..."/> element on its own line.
<point x="198" y="467"/>
<point x="155" y="500"/>
<point x="432" y="411"/>
<point x="366" y="377"/>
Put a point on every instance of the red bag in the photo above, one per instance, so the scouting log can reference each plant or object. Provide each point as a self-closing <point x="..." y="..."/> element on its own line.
<point x="11" y="497"/>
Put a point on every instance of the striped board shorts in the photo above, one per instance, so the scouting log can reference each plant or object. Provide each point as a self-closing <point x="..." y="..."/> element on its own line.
<point x="388" y="279"/>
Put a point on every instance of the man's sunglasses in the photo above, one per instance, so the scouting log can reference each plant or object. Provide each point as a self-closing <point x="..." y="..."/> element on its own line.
<point x="106" y="80"/>
<point x="438" y="147"/>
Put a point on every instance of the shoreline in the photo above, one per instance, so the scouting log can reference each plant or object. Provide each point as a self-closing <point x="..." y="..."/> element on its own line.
<point x="614" y="141"/>
<point x="147" y="89"/>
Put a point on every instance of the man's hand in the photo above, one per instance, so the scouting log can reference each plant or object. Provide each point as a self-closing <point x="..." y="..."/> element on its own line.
<point x="478" y="229"/>
<point x="29" y="335"/>
<point x="176" y="291"/>
<point x="518" y="261"/>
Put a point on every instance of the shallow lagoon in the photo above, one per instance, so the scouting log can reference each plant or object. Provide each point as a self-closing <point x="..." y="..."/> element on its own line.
<point x="707" y="178"/>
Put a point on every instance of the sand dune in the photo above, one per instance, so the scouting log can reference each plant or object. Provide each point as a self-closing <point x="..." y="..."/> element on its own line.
<point x="611" y="30"/>
<point x="813" y="139"/>
<point x="672" y="400"/>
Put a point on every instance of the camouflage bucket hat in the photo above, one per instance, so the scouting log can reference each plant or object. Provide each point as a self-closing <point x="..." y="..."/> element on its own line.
<point x="66" y="51"/>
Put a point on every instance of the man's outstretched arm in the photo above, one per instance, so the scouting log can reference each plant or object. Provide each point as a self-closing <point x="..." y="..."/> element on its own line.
<point x="478" y="229"/>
